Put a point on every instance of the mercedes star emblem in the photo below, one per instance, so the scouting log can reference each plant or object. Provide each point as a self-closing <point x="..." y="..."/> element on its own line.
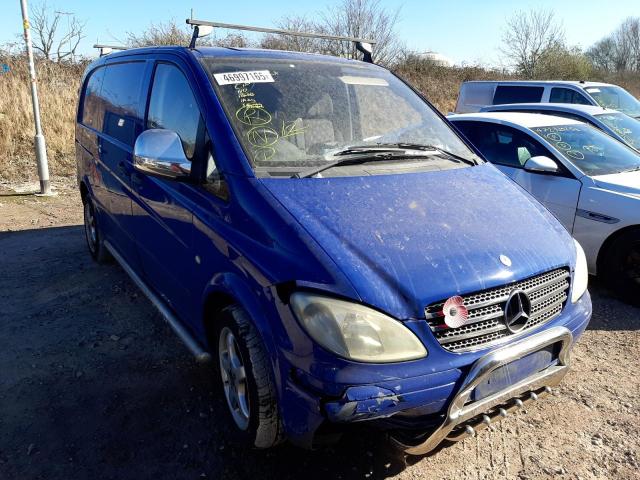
<point x="517" y="311"/>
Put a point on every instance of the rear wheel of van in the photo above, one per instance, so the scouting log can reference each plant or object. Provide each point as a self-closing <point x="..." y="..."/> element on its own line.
<point x="93" y="235"/>
<point x="621" y="267"/>
<point x="247" y="380"/>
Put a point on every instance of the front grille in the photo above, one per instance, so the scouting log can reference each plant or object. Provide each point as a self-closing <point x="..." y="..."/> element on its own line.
<point x="548" y="293"/>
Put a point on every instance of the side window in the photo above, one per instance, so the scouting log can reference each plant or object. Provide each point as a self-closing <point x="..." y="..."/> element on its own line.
<point x="173" y="106"/>
<point x="122" y="96"/>
<point x="566" y="95"/>
<point x="93" y="106"/>
<point x="502" y="145"/>
<point x="506" y="94"/>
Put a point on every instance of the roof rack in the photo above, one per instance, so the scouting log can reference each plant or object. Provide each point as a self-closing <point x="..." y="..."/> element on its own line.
<point x="107" y="49"/>
<point x="363" y="45"/>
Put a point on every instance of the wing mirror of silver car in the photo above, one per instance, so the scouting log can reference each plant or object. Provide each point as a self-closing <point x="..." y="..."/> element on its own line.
<point x="159" y="152"/>
<point x="541" y="164"/>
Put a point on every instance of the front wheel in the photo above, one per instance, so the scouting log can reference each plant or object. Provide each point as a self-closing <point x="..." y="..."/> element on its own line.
<point x="621" y="267"/>
<point x="247" y="380"/>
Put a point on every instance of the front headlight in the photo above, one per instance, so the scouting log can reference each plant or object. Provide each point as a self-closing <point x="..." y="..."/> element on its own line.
<point x="355" y="332"/>
<point x="580" y="275"/>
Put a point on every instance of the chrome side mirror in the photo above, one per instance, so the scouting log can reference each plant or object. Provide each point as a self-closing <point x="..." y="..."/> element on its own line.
<point x="159" y="152"/>
<point x="541" y="164"/>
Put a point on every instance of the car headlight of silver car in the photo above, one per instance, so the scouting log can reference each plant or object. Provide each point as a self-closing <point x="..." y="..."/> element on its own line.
<point x="580" y="275"/>
<point x="354" y="331"/>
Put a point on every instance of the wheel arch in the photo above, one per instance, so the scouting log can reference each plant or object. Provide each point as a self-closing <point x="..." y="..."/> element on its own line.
<point x="227" y="289"/>
<point x="84" y="191"/>
<point x="610" y="240"/>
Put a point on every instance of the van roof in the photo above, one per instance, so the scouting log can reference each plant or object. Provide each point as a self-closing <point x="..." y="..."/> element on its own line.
<point x="542" y="82"/>
<point x="222" y="52"/>
<point x="528" y="120"/>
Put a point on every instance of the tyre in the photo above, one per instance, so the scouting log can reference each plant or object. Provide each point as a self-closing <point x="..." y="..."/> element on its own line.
<point x="621" y="267"/>
<point x="93" y="235"/>
<point x="247" y="380"/>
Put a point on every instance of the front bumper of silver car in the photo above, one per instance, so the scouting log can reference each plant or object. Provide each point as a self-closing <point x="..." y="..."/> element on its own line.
<point x="465" y="417"/>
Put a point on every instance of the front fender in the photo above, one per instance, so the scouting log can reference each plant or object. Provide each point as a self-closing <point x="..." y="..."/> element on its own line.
<point x="258" y="303"/>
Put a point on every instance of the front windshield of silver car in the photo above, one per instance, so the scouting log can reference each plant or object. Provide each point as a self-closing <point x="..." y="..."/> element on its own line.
<point x="295" y="115"/>
<point x="616" y="98"/>
<point x="623" y="125"/>
<point x="591" y="150"/>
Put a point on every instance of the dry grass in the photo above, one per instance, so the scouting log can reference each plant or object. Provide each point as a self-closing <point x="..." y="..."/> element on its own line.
<point x="58" y="88"/>
<point x="440" y="84"/>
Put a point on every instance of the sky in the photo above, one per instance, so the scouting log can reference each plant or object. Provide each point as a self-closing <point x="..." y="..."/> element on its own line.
<point x="463" y="30"/>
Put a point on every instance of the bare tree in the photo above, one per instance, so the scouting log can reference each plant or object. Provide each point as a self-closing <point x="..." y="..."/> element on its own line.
<point x="172" y="33"/>
<point x="350" y="18"/>
<point x="353" y="18"/>
<point x="294" y="43"/>
<point x="54" y="38"/>
<point x="619" y="51"/>
<point x="364" y="19"/>
<point x="169" y="33"/>
<point x="527" y="36"/>
<point x="603" y="54"/>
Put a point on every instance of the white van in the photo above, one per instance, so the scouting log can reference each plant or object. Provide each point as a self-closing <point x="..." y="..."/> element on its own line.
<point x="475" y="95"/>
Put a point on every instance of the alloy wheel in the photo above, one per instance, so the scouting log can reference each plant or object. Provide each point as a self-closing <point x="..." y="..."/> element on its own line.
<point x="234" y="378"/>
<point x="90" y="229"/>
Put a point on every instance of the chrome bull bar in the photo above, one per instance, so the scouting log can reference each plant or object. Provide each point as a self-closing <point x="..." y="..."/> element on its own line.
<point x="461" y="412"/>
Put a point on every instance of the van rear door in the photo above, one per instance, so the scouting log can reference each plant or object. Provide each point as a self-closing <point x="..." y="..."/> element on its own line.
<point x="474" y="96"/>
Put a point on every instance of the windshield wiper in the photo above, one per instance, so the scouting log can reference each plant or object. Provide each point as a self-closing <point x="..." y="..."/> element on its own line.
<point x="383" y="147"/>
<point x="363" y="156"/>
<point x="634" y="169"/>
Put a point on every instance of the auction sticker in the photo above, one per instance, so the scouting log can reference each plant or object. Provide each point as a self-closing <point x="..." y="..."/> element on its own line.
<point x="255" y="76"/>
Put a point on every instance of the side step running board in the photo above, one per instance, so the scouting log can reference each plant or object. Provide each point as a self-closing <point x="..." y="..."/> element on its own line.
<point x="188" y="339"/>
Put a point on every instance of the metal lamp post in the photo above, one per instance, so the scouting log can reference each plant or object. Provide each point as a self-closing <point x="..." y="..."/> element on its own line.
<point x="41" y="149"/>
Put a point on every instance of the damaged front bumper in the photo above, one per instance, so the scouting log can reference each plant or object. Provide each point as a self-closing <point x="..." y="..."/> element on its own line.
<point x="465" y="414"/>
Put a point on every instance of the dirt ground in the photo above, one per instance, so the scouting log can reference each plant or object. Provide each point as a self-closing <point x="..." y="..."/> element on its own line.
<point x="93" y="384"/>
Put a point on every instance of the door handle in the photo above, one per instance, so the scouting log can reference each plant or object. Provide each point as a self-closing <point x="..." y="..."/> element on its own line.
<point x="136" y="179"/>
<point x="122" y="170"/>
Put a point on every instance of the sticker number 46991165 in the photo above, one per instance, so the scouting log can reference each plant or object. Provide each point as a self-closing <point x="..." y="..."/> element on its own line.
<point x="255" y="76"/>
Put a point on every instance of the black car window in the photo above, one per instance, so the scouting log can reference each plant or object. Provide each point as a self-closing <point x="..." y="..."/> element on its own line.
<point x="506" y="94"/>
<point x="93" y="106"/>
<point x="122" y="96"/>
<point x="566" y="95"/>
<point x="502" y="145"/>
<point x="173" y="106"/>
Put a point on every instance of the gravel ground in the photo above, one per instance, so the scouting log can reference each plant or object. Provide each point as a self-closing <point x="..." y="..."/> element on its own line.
<point x="93" y="384"/>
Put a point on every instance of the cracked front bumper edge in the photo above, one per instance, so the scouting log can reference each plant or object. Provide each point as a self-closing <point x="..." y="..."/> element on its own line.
<point x="460" y="411"/>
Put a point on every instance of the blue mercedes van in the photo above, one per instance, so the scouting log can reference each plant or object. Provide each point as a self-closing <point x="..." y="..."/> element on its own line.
<point x="321" y="232"/>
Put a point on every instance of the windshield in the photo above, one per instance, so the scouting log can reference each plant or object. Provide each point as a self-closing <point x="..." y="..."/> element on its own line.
<point x="628" y="128"/>
<point x="591" y="150"/>
<point x="617" y="98"/>
<point x="291" y="115"/>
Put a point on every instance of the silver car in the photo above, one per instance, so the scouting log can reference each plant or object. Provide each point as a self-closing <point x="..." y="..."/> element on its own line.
<point x="620" y="126"/>
<point x="587" y="179"/>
